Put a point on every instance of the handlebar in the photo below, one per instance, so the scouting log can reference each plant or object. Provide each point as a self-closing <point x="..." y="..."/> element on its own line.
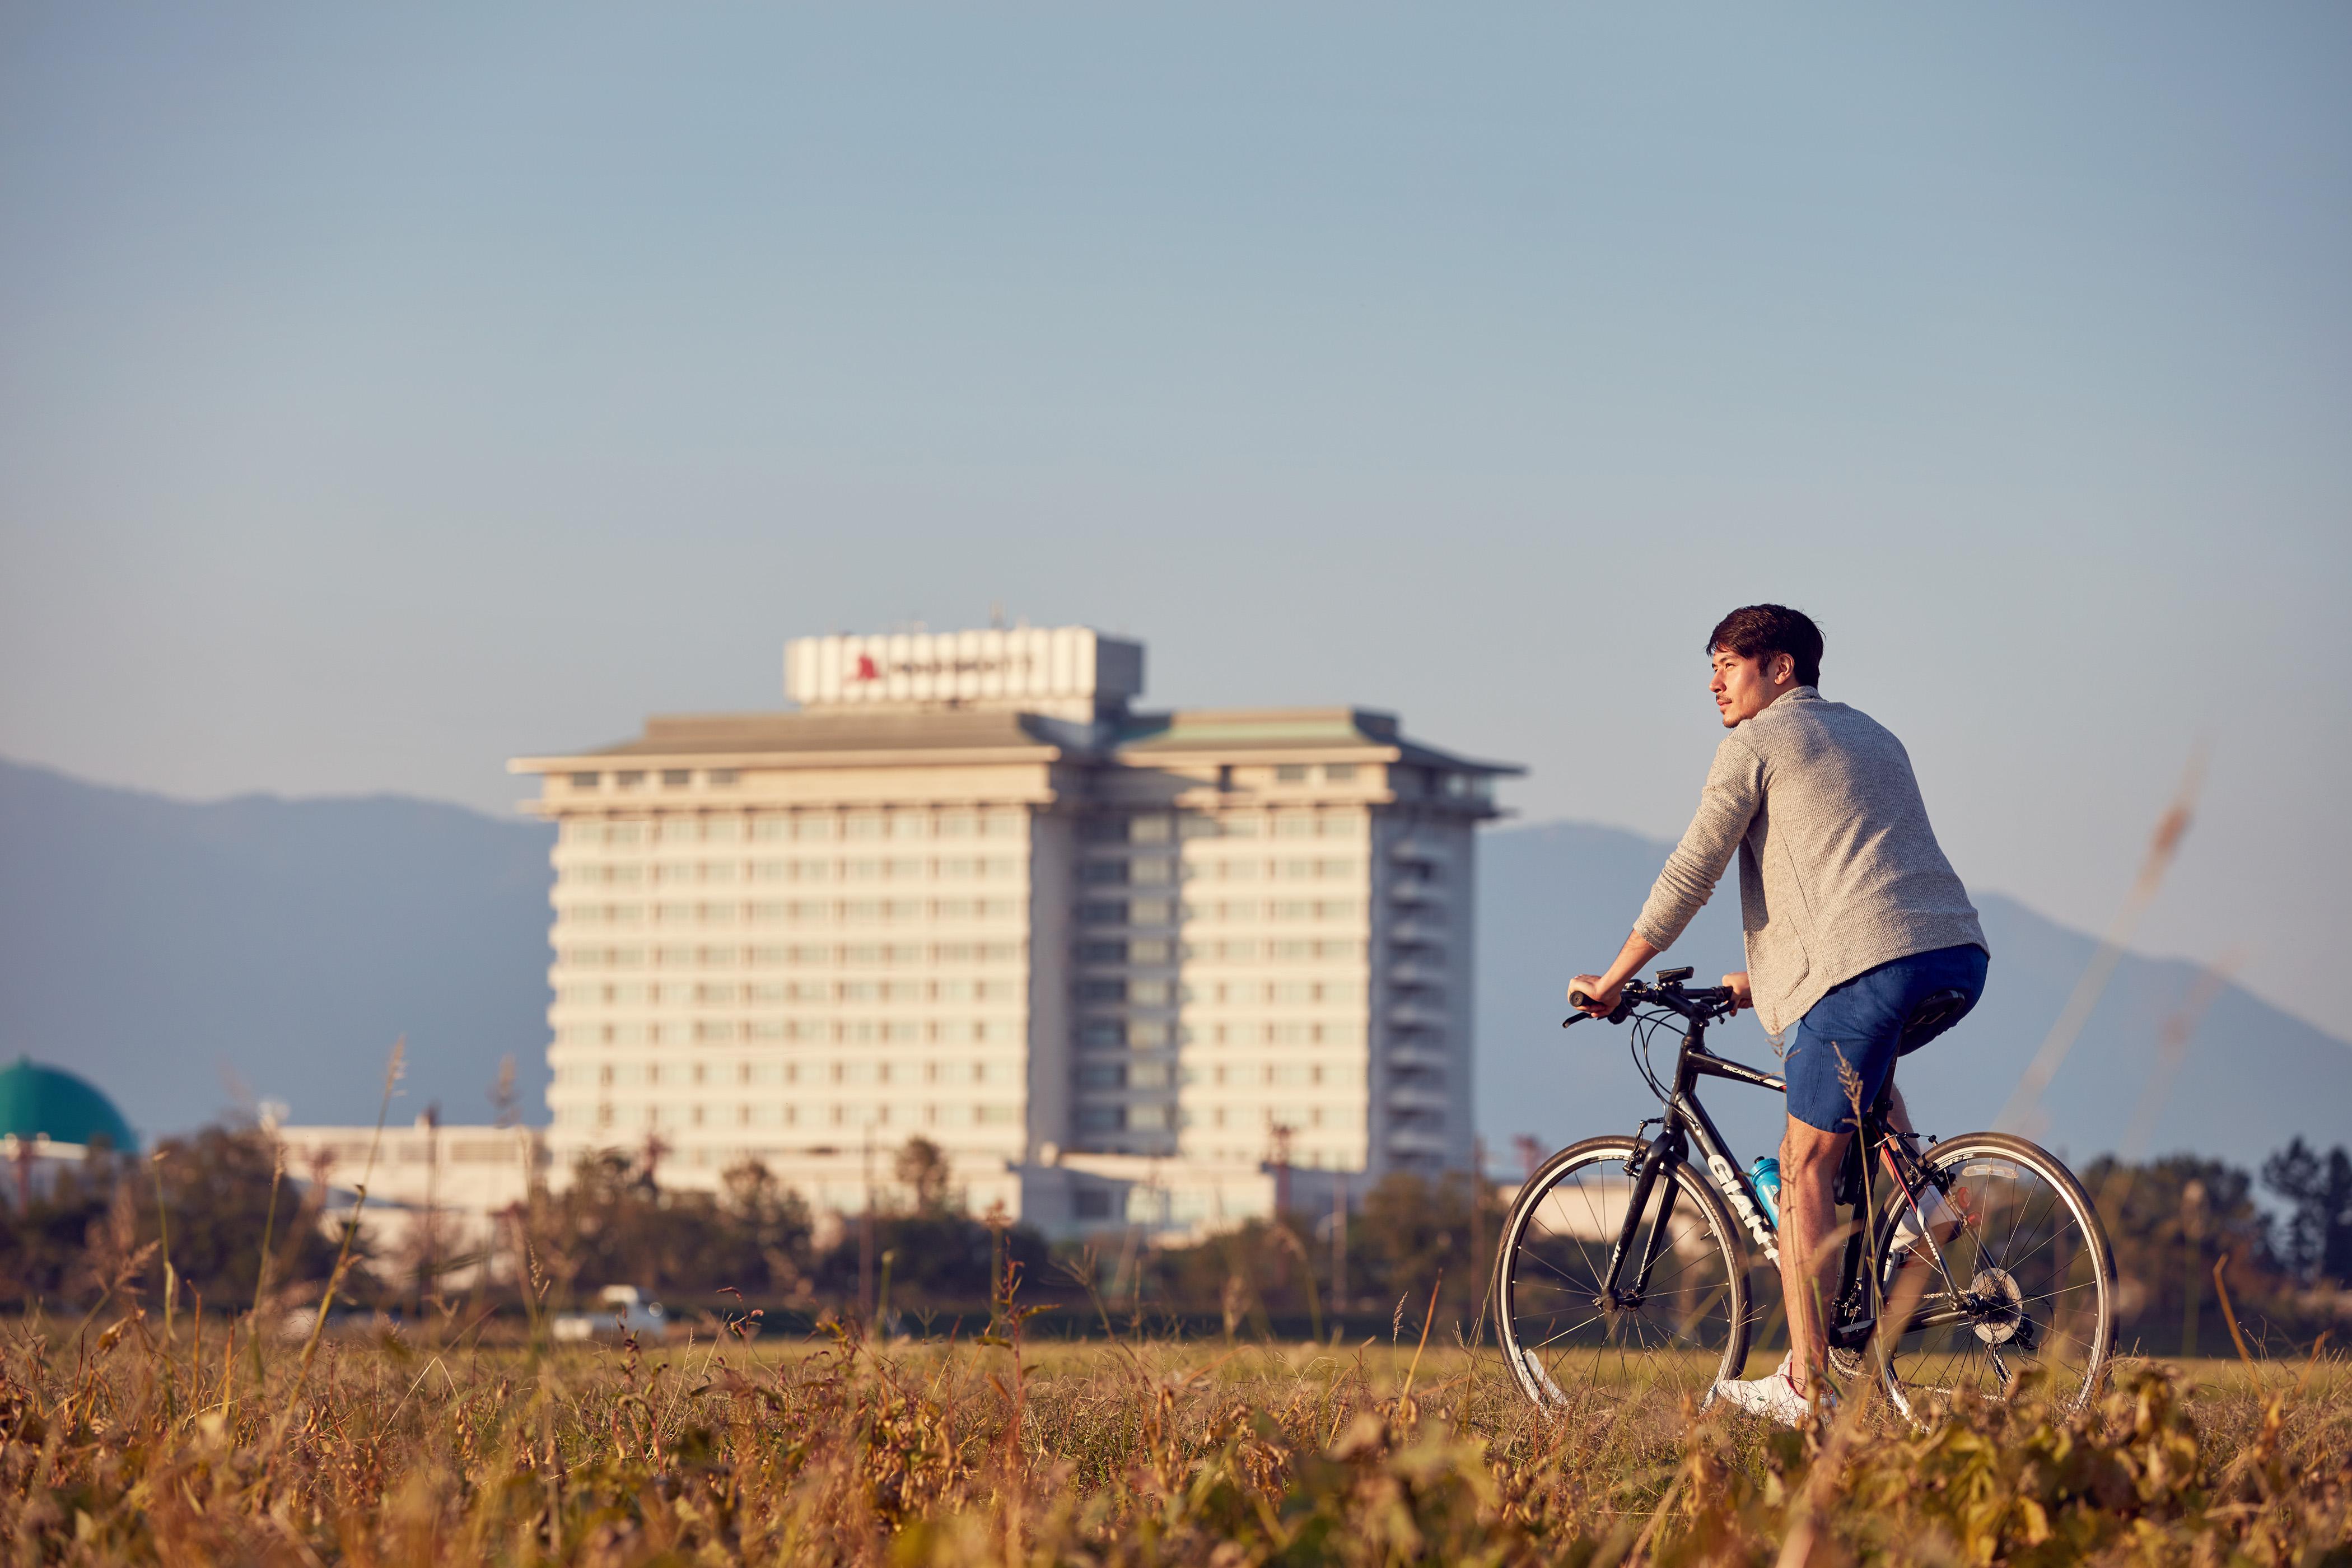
<point x="1702" y="1005"/>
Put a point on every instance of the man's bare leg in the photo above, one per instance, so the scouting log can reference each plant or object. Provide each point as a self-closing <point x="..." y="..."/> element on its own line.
<point x="1809" y="1163"/>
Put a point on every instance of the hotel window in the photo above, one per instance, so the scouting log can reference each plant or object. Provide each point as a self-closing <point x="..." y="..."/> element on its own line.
<point x="1103" y="951"/>
<point x="629" y="780"/>
<point x="722" y="776"/>
<point x="1338" y="772"/>
<point x="1103" y="914"/>
<point x="674" y="778"/>
<point x="586" y="781"/>
<point x="1102" y="1034"/>
<point x="1290" y="773"/>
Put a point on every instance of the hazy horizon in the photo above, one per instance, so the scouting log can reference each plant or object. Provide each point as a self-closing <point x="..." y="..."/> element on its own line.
<point x="391" y="394"/>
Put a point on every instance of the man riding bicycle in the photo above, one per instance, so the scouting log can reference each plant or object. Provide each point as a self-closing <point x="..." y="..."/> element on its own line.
<point x="1852" y="918"/>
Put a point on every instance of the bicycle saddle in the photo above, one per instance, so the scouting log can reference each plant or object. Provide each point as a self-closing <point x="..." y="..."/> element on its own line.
<point x="1930" y="1017"/>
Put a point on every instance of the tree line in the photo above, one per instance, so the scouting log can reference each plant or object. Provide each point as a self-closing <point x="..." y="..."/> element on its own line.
<point x="210" y="1201"/>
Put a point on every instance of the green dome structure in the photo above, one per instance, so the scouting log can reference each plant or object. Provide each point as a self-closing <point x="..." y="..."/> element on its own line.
<point x="38" y="1102"/>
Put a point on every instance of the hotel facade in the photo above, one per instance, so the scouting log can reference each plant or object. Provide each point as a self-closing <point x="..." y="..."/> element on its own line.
<point x="1124" y="968"/>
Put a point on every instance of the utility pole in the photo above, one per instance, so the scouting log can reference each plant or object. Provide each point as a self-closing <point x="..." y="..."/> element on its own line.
<point x="1281" y="1170"/>
<point x="427" y="1284"/>
<point x="865" y="1236"/>
<point x="1478" y="1204"/>
<point x="1339" y="1249"/>
<point x="2192" y="1232"/>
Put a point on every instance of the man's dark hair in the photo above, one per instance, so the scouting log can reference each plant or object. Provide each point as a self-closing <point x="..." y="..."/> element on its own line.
<point x="1759" y="631"/>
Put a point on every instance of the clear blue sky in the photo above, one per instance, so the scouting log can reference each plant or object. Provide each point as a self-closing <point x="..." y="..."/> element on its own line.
<point x="386" y="391"/>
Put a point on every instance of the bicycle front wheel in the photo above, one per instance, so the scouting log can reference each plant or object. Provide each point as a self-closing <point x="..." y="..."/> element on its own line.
<point x="2025" y="1290"/>
<point x="1566" y="1334"/>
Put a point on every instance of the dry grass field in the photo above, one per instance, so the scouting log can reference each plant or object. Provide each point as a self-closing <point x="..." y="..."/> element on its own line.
<point x="125" y="1444"/>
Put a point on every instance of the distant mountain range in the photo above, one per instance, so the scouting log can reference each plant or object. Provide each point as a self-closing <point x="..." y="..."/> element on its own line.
<point x="189" y="958"/>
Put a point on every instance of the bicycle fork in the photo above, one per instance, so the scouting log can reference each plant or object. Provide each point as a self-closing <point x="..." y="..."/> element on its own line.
<point x="1659" y="1163"/>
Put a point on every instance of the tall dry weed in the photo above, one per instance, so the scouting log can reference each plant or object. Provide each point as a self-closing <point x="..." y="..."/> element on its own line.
<point x="118" y="1445"/>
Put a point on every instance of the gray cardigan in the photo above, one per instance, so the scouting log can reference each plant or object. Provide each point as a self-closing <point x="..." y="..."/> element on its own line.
<point x="1839" y="871"/>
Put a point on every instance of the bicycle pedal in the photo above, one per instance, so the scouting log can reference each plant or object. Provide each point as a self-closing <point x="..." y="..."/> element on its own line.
<point x="1853" y="1336"/>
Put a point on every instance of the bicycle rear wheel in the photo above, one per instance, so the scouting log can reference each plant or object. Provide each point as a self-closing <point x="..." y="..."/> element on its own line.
<point x="1565" y="1341"/>
<point x="2026" y="1289"/>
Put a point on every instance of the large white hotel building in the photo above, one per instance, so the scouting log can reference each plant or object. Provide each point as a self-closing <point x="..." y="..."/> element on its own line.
<point x="1122" y="966"/>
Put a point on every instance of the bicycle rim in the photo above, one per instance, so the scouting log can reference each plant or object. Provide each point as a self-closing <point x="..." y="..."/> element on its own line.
<point x="1565" y="1346"/>
<point x="2024" y="1297"/>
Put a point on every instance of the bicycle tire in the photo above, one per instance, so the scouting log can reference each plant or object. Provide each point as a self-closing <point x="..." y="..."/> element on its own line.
<point x="1562" y="1345"/>
<point x="2042" y="1288"/>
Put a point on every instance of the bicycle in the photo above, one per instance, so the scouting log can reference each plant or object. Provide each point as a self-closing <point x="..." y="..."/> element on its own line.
<point x="1622" y="1265"/>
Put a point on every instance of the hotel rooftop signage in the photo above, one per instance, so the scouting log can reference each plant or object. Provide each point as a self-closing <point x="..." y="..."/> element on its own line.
<point x="1036" y="669"/>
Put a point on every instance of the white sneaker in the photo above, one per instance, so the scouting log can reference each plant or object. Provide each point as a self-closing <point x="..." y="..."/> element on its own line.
<point x="1773" y="1397"/>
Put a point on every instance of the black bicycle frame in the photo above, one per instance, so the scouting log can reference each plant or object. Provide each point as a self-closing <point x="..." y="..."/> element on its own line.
<point x="1687" y="1120"/>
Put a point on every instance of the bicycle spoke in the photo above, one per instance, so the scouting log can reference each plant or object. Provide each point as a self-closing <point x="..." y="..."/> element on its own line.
<point x="2029" y="1284"/>
<point x="1553" y="1300"/>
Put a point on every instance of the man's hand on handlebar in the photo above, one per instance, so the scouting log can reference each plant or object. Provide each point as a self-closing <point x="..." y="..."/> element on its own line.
<point x="1586" y="994"/>
<point x="1737" y="985"/>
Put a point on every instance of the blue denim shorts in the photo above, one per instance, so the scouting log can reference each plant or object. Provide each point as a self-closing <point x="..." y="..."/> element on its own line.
<point x="1859" y="1023"/>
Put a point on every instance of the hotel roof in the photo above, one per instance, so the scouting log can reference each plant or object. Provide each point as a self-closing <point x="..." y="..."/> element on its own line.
<point x="871" y="734"/>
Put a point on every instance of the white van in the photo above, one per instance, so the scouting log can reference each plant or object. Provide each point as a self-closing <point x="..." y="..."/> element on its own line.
<point x="623" y="1311"/>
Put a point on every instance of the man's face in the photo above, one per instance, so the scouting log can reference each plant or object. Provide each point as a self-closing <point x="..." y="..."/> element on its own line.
<point x="1744" y="687"/>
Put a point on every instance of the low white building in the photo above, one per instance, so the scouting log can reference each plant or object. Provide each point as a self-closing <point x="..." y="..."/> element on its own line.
<point x="433" y="1192"/>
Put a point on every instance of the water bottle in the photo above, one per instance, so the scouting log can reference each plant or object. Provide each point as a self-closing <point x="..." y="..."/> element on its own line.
<point x="1766" y="1174"/>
